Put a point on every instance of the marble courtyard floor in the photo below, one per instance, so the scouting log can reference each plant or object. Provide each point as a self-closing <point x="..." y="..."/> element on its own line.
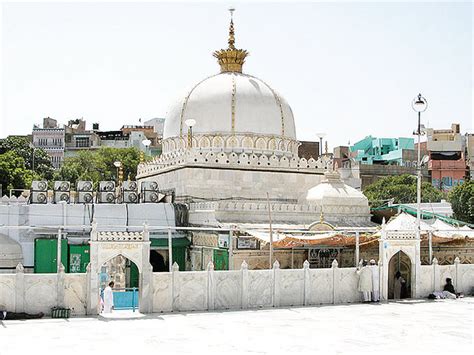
<point x="409" y="326"/>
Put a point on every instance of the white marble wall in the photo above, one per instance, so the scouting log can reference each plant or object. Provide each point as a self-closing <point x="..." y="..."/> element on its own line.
<point x="215" y="290"/>
<point x="242" y="289"/>
<point x="34" y="293"/>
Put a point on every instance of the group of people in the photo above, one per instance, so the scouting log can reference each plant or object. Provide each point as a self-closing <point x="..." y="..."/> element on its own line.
<point x="369" y="281"/>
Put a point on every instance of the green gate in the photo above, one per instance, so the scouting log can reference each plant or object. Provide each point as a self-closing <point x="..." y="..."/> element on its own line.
<point x="179" y="249"/>
<point x="221" y="259"/>
<point x="79" y="257"/>
<point x="46" y="255"/>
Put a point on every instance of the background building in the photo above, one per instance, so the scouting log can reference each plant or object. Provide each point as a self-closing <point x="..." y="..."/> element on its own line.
<point x="78" y="138"/>
<point x="50" y="138"/>
<point x="447" y="165"/>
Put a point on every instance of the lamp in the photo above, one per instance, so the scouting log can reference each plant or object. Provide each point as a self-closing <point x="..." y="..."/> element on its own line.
<point x="190" y="122"/>
<point x="419" y="104"/>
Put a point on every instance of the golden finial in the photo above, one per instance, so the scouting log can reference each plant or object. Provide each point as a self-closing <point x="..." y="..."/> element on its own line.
<point x="231" y="29"/>
<point x="231" y="59"/>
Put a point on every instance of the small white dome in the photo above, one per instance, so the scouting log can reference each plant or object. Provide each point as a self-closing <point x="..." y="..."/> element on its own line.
<point x="333" y="192"/>
<point x="231" y="103"/>
<point x="10" y="252"/>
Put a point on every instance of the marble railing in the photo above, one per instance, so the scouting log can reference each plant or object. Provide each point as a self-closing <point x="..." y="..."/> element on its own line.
<point x="233" y="159"/>
<point x="276" y="207"/>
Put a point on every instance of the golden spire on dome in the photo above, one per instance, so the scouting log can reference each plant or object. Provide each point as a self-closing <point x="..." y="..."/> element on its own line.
<point x="231" y="59"/>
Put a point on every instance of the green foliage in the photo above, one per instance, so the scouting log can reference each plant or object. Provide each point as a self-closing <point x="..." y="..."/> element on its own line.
<point x="13" y="172"/>
<point x="462" y="201"/>
<point x="402" y="189"/>
<point x="34" y="158"/>
<point x="99" y="165"/>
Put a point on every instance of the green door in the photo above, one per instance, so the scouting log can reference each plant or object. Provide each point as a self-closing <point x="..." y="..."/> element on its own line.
<point x="179" y="256"/>
<point x="46" y="253"/>
<point x="79" y="257"/>
<point x="134" y="274"/>
<point x="221" y="259"/>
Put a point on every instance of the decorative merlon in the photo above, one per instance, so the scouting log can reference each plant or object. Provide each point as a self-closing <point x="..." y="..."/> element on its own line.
<point x="120" y="236"/>
<point x="251" y="161"/>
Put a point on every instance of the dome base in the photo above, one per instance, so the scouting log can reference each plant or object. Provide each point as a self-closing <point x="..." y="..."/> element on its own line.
<point x="245" y="142"/>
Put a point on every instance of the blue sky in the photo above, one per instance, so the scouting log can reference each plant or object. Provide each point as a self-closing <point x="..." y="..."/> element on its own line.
<point x="346" y="69"/>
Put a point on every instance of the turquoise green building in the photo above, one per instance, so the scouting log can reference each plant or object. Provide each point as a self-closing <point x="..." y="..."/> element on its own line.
<point x="383" y="151"/>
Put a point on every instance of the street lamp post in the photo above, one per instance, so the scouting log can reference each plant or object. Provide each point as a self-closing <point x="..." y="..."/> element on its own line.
<point x="118" y="165"/>
<point x="190" y="123"/>
<point x="419" y="105"/>
<point x="320" y="136"/>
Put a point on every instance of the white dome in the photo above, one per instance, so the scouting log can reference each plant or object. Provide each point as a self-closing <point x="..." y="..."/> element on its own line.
<point x="333" y="192"/>
<point x="10" y="252"/>
<point x="229" y="103"/>
<point x="232" y="112"/>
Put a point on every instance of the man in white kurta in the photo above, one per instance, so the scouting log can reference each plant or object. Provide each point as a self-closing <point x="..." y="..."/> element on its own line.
<point x="365" y="281"/>
<point x="109" y="298"/>
<point x="375" y="281"/>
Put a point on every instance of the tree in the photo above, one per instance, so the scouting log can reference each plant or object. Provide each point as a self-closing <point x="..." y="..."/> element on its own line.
<point x="34" y="158"/>
<point x="99" y="165"/>
<point x="462" y="201"/>
<point x="402" y="189"/>
<point x="13" y="172"/>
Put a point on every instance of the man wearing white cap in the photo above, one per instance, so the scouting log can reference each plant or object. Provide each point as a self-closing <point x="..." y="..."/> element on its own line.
<point x="375" y="281"/>
<point x="365" y="280"/>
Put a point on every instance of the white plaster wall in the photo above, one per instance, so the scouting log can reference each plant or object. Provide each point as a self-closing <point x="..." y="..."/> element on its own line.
<point x="227" y="183"/>
<point x="228" y="286"/>
<point x="163" y="293"/>
<point x="465" y="278"/>
<point x="40" y="292"/>
<point x="190" y="291"/>
<point x="321" y="281"/>
<point x="426" y="281"/>
<point x="260" y="290"/>
<point x="291" y="287"/>
<point x="7" y="291"/>
<point x="346" y="281"/>
<point x="75" y="293"/>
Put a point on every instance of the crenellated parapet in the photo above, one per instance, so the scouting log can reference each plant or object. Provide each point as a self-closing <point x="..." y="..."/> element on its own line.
<point x="253" y="206"/>
<point x="243" y="160"/>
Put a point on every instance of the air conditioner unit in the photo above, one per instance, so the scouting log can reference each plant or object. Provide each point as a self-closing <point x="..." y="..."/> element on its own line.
<point x="85" y="197"/>
<point x="149" y="186"/>
<point x="61" y="196"/>
<point x="62" y="186"/>
<point x="152" y="196"/>
<point x="39" y="197"/>
<point x="130" y="197"/>
<point x="106" y="197"/>
<point x="106" y="186"/>
<point x="130" y="186"/>
<point x="39" y="185"/>
<point x="84" y="186"/>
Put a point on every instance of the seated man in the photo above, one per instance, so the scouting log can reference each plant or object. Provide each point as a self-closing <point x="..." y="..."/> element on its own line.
<point x="449" y="287"/>
<point x="448" y="291"/>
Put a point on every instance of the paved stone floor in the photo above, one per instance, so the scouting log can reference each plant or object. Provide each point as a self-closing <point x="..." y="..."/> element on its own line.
<point x="410" y="326"/>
